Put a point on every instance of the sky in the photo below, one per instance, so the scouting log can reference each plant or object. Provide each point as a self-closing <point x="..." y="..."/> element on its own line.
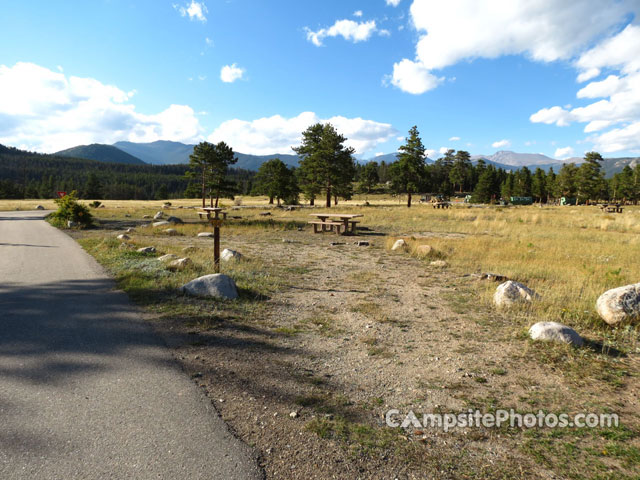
<point x="555" y="77"/>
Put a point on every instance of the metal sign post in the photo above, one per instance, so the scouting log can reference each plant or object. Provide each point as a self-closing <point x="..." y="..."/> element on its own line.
<point x="216" y="221"/>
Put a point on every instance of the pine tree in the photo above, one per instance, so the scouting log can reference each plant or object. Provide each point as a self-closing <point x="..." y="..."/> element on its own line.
<point x="590" y="178"/>
<point x="275" y="180"/>
<point x="327" y="164"/>
<point x="369" y="177"/>
<point x="460" y="173"/>
<point x="408" y="172"/>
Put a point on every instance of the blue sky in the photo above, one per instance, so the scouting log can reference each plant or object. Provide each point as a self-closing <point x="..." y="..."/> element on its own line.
<point x="559" y="78"/>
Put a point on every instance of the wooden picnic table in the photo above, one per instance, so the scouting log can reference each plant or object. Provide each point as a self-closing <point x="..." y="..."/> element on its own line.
<point x="341" y="220"/>
<point x="611" y="207"/>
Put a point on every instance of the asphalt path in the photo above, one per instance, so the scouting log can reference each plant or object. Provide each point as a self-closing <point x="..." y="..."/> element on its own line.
<point x="87" y="390"/>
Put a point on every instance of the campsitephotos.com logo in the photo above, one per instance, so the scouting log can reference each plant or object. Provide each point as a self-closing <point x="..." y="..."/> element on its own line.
<point x="499" y="419"/>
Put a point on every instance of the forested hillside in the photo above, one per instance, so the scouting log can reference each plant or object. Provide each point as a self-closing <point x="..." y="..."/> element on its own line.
<point x="33" y="175"/>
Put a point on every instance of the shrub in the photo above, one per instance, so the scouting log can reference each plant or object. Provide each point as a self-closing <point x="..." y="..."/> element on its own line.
<point x="69" y="210"/>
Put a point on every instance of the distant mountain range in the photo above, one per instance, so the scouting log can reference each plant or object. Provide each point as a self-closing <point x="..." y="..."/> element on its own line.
<point x="101" y="153"/>
<point x="169" y="153"/>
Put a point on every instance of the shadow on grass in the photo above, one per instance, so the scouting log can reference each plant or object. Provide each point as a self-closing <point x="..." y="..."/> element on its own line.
<point x="600" y="347"/>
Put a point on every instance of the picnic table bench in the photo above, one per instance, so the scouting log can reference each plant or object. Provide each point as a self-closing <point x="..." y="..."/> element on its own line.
<point x="611" y="207"/>
<point x="441" y="204"/>
<point x="208" y="211"/>
<point x="339" y="221"/>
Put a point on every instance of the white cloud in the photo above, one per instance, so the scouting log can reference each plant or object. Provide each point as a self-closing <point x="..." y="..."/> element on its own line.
<point x="278" y="134"/>
<point x="357" y="13"/>
<point x="429" y="152"/>
<point x="413" y="77"/>
<point x="379" y="154"/>
<point x="454" y="139"/>
<point x="564" y="153"/>
<point x="208" y="41"/>
<point x="545" y="31"/>
<point x="444" y="150"/>
<point x="501" y="144"/>
<point x="347" y="29"/>
<point x="615" y="99"/>
<point x="231" y="73"/>
<point x="393" y="3"/>
<point x="47" y="111"/>
<point x="194" y="10"/>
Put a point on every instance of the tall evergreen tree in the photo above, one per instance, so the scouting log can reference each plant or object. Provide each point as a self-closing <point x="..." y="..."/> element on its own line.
<point x="460" y="173"/>
<point x="408" y="171"/>
<point x="277" y="181"/>
<point x="327" y="164"/>
<point x="369" y="177"/>
<point x="590" y="179"/>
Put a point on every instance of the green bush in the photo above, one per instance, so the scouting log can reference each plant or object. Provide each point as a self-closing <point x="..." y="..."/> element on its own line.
<point x="69" y="210"/>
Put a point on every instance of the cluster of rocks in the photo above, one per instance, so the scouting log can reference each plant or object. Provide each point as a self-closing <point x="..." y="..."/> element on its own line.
<point x="617" y="306"/>
<point x="174" y="262"/>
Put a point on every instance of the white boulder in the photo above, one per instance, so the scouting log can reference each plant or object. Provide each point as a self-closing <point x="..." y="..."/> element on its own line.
<point x="147" y="250"/>
<point x="399" y="245"/>
<point x="217" y="286"/>
<point x="123" y="236"/>
<point x="205" y="234"/>
<point x="555" y="332"/>
<point x="158" y="216"/>
<point x="228" y="255"/>
<point x="160" y="223"/>
<point x="620" y="305"/>
<point x="510" y="293"/>
<point x="168" y="257"/>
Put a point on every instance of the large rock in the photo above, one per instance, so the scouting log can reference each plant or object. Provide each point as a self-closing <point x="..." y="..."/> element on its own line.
<point x="147" y="250"/>
<point x="171" y="231"/>
<point x="620" y="305"/>
<point x="169" y="257"/>
<point x="216" y="285"/>
<point x="205" y="234"/>
<point x="158" y="216"/>
<point x="160" y="223"/>
<point x="228" y="255"/>
<point x="174" y="220"/>
<point x="123" y="236"/>
<point x="399" y="245"/>
<point x="39" y="207"/>
<point x="555" y="332"/>
<point x="510" y="293"/>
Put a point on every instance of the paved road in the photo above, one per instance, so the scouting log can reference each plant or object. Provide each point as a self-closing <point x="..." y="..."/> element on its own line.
<point x="86" y="389"/>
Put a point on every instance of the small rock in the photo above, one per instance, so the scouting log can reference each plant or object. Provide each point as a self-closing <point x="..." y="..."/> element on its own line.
<point x="286" y="240"/>
<point x="174" y="220"/>
<point x="265" y="214"/>
<point x="147" y="250"/>
<point x="555" y="332"/>
<point x="216" y="285"/>
<point x="189" y="249"/>
<point x="438" y="263"/>
<point x="126" y="215"/>
<point x="130" y="230"/>
<point x="362" y="243"/>
<point x="158" y="216"/>
<point x="71" y="224"/>
<point x="333" y="244"/>
<point x="294" y="414"/>
<point x="171" y="231"/>
<point x="126" y="246"/>
<point x="424" y="250"/>
<point x="146" y="216"/>
<point x="161" y="223"/>
<point x="399" y="245"/>
<point x="180" y="264"/>
<point x="510" y="293"/>
<point x="205" y="234"/>
<point x="122" y="236"/>
<point x="168" y="257"/>
<point x="39" y="207"/>
<point x="228" y="255"/>
<point x="620" y="305"/>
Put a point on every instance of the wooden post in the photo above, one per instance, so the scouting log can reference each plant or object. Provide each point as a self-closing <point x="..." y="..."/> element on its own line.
<point x="216" y="243"/>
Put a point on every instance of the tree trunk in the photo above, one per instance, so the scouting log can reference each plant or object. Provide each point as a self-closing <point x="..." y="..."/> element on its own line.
<point x="328" y="196"/>
<point x="408" y="200"/>
<point x="312" y="201"/>
<point x="204" y="190"/>
<point x="270" y="200"/>
<point x="278" y="201"/>
<point x="335" y="200"/>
